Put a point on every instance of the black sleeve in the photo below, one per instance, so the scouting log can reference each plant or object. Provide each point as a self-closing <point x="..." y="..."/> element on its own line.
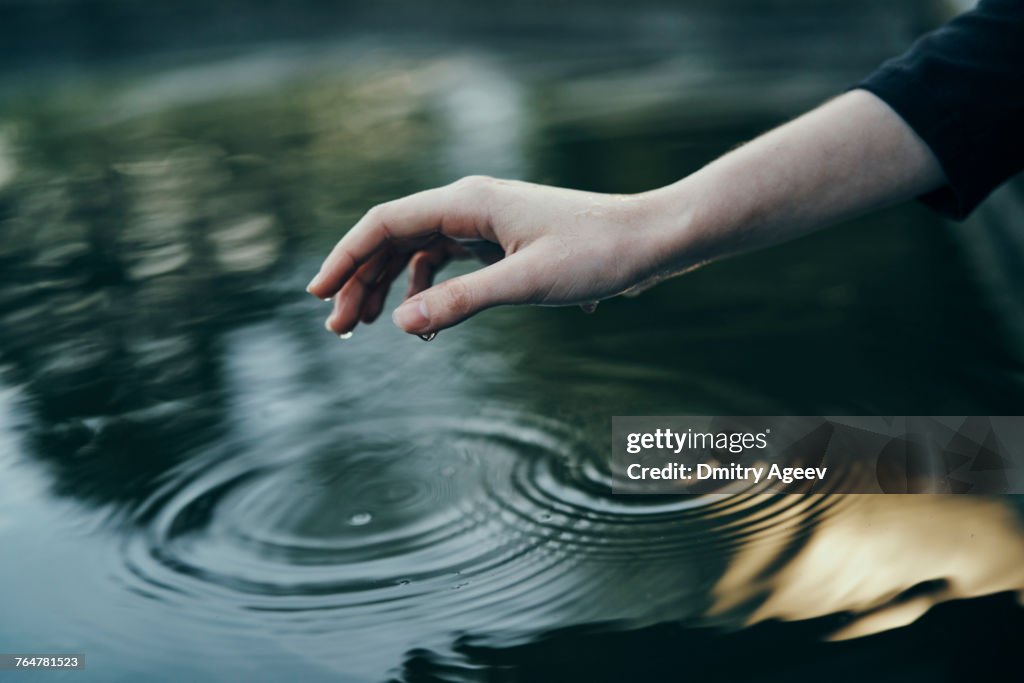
<point x="961" y="88"/>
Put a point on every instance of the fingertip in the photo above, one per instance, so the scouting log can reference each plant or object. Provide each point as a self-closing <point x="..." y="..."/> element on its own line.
<point x="373" y="312"/>
<point x="341" y="334"/>
<point x="336" y="322"/>
<point x="412" y="317"/>
<point x="316" y="288"/>
<point x="314" y="285"/>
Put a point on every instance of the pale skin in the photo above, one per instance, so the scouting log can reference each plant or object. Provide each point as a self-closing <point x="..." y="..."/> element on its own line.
<point x="557" y="247"/>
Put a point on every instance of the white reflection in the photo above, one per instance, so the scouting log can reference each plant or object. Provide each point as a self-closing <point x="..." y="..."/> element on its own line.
<point x="264" y="376"/>
<point x="8" y="165"/>
<point x="21" y="487"/>
<point x="250" y="244"/>
<point x="483" y="106"/>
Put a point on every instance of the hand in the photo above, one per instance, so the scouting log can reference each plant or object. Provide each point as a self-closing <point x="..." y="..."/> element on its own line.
<point x="548" y="246"/>
<point x="851" y="155"/>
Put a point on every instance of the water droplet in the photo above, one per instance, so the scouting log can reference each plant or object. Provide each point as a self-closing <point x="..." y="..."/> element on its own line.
<point x="343" y="337"/>
<point x="428" y="337"/>
<point x="360" y="519"/>
<point x="404" y="582"/>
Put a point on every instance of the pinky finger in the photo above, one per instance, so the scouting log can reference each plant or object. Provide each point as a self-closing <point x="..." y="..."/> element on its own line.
<point x="423" y="267"/>
<point x="375" y="300"/>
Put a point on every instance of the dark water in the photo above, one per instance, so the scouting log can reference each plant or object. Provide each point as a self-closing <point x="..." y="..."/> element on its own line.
<point x="198" y="483"/>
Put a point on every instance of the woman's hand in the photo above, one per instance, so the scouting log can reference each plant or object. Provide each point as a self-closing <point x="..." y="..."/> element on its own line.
<point x="548" y="246"/>
<point x="851" y="155"/>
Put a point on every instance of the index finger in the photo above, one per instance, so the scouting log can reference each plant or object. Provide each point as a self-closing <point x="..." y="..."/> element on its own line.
<point x="417" y="216"/>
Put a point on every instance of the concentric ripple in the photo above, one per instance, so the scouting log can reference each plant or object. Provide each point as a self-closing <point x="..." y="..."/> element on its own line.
<point x="488" y="523"/>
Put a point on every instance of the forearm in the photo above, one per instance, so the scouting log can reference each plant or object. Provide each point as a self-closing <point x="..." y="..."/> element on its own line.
<point x="849" y="156"/>
<point x="561" y="246"/>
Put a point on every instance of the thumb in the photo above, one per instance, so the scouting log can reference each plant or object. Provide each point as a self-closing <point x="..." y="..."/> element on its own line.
<point x="459" y="298"/>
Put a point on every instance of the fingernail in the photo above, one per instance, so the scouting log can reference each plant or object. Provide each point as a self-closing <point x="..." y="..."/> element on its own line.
<point x="313" y="283"/>
<point x="411" y="316"/>
<point x="343" y="336"/>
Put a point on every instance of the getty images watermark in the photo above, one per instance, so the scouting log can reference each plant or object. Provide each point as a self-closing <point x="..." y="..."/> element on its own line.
<point x="844" y="454"/>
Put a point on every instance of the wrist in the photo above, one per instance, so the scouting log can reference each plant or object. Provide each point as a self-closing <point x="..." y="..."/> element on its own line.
<point x="678" y="229"/>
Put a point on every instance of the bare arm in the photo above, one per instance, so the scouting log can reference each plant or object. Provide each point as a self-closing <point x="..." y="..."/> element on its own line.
<point x="847" y="157"/>
<point x="851" y="155"/>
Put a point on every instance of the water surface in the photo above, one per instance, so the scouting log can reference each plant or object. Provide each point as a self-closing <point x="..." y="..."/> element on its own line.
<point x="197" y="482"/>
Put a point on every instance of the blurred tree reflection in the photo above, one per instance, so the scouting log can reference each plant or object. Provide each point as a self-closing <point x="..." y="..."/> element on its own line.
<point x="130" y="248"/>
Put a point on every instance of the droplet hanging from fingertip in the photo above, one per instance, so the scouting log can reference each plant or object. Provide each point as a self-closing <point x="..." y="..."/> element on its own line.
<point x="429" y="336"/>
<point x="343" y="337"/>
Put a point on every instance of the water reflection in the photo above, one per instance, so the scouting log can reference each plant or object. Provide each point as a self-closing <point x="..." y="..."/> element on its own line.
<point x="214" y="473"/>
<point x="967" y="641"/>
<point x="884" y="561"/>
<point x="854" y="566"/>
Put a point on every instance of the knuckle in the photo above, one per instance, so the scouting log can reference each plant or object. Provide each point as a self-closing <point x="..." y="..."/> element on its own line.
<point x="457" y="297"/>
<point x="377" y="212"/>
<point x="378" y="216"/>
<point x="473" y="183"/>
<point x="420" y="261"/>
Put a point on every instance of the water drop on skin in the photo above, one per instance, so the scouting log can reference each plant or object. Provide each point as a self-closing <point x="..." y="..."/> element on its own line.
<point x="343" y="337"/>
<point x="428" y="337"/>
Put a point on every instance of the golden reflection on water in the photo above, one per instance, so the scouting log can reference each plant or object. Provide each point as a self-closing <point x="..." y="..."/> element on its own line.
<point x="884" y="559"/>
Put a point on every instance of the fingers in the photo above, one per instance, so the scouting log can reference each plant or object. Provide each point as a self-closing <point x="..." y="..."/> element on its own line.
<point x="422" y="268"/>
<point x="362" y="298"/>
<point x="348" y="304"/>
<point x="452" y="301"/>
<point x="457" y="210"/>
<point x="374" y="304"/>
<point x="372" y="233"/>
